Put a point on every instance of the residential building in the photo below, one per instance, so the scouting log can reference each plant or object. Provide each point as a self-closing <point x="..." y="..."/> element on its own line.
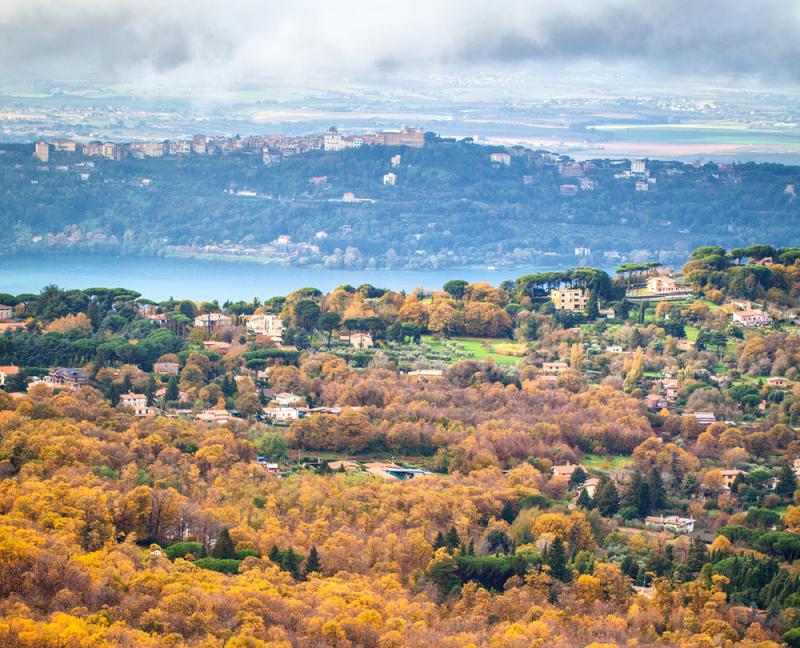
<point x="413" y="137"/>
<point x="333" y="141"/>
<point x="615" y="348"/>
<point x="500" y="158"/>
<point x="642" y="185"/>
<point x="705" y="418"/>
<point x="266" y="324"/>
<point x="318" y="180"/>
<point x="662" y="284"/>
<point x="583" y="251"/>
<point x="554" y="368"/>
<point x="360" y="340"/>
<point x="395" y="161"/>
<point x="392" y="471"/>
<point x="670" y="387"/>
<point x="590" y="486"/>
<point x="568" y="190"/>
<point x="169" y="368"/>
<point x="6" y="312"/>
<point x="6" y="371"/>
<point x="729" y="477"/>
<point x="283" y="413"/>
<point x="41" y="150"/>
<point x="287" y="398"/>
<point x="752" y="318"/>
<point x="67" y="377"/>
<point x="138" y="403"/>
<point x="672" y="523"/>
<point x="64" y="145"/>
<point x="426" y="374"/>
<point x="571" y="299"/>
<point x="570" y="169"/>
<point x="527" y="179"/>
<point x="199" y="145"/>
<point x="777" y="382"/>
<point x="215" y="416"/>
<point x="211" y="321"/>
<point x="390" y="179"/>
<point x="638" y="166"/>
<point x="566" y="470"/>
<point x="219" y="347"/>
<point x="655" y="401"/>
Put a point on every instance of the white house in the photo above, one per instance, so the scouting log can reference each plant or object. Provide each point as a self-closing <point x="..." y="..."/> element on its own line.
<point x="286" y="398"/>
<point x="751" y="318"/>
<point x="670" y="523"/>
<point x="500" y="158"/>
<point x="266" y="324"/>
<point x="390" y="179"/>
<point x="6" y="312"/>
<point x="212" y="320"/>
<point x="281" y="413"/>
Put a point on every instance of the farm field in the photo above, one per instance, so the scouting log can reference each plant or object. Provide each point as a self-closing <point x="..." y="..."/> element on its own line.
<point x="471" y="348"/>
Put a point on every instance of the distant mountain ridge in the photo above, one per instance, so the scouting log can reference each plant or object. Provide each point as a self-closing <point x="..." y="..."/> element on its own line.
<point x="449" y="204"/>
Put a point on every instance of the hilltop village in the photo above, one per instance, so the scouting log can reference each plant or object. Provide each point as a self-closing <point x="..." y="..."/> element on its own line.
<point x="399" y="199"/>
<point x="616" y="454"/>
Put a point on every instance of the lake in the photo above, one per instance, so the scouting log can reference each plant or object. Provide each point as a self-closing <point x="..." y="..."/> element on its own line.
<point x="160" y="278"/>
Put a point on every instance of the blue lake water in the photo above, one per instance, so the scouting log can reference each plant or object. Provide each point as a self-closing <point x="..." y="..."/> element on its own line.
<point x="160" y="278"/>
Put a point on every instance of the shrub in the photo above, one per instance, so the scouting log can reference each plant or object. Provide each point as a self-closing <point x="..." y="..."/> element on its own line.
<point x="222" y="565"/>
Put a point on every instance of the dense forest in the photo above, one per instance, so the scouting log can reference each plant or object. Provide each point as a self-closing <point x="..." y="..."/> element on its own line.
<point x="435" y="215"/>
<point x="626" y="476"/>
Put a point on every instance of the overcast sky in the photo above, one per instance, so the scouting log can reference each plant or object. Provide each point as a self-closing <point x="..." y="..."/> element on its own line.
<point x="220" y="40"/>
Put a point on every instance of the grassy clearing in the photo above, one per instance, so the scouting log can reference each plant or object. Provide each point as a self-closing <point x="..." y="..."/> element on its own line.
<point x="605" y="463"/>
<point x="477" y="348"/>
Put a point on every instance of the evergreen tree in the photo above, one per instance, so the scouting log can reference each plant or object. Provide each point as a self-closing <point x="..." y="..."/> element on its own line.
<point x="172" y="393"/>
<point x="592" y="306"/>
<point x="787" y="483"/>
<point x="312" y="562"/>
<point x="438" y="542"/>
<point x="697" y="556"/>
<point x="223" y="547"/>
<point x="606" y="498"/>
<point x="149" y="389"/>
<point x="275" y="555"/>
<point x="471" y="548"/>
<point x="638" y="495"/>
<point x="451" y="539"/>
<point x="689" y="485"/>
<point x="658" y="494"/>
<point x="577" y="477"/>
<point x="508" y="513"/>
<point x="584" y="501"/>
<point x="555" y="557"/>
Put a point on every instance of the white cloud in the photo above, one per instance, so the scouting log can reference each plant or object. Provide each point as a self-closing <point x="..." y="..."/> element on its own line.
<point x="234" y="39"/>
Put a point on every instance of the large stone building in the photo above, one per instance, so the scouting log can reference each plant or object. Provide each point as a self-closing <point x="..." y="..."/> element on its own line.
<point x="571" y="299"/>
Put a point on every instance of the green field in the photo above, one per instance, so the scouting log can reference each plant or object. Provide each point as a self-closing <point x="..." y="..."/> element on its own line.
<point x="598" y="462"/>
<point x="471" y="348"/>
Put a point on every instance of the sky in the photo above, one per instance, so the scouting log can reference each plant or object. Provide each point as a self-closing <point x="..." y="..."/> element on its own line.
<point x="222" y="41"/>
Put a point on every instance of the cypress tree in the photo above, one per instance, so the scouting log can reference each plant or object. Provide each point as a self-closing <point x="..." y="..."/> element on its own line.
<point x="606" y="498"/>
<point x="584" y="501"/>
<point x="508" y="513"/>
<point x="452" y="540"/>
<point x="592" y="307"/>
<point x="312" y="562"/>
<point x="172" y="393"/>
<point x="556" y="559"/>
<point x="223" y="547"/>
<point x="787" y="483"/>
<point x="697" y="556"/>
<point x="658" y="494"/>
